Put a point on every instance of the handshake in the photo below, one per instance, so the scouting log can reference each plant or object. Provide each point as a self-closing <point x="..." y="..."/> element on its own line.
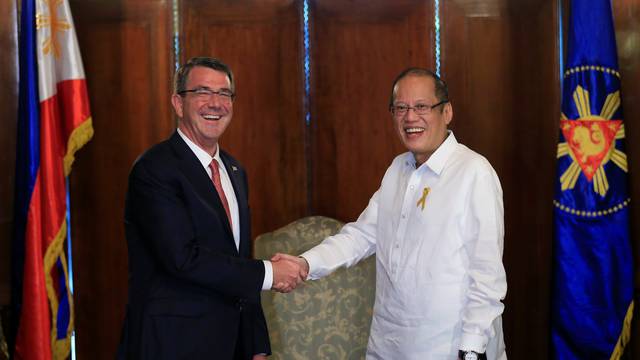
<point x="288" y="272"/>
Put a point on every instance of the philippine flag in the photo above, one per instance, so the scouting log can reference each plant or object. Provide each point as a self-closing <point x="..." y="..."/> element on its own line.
<point x="54" y="122"/>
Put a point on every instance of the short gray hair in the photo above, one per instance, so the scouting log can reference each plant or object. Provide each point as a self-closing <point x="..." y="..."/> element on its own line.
<point x="182" y="74"/>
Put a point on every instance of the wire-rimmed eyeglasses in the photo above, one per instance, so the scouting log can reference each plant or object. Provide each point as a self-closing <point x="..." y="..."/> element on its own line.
<point x="206" y="93"/>
<point x="401" y="110"/>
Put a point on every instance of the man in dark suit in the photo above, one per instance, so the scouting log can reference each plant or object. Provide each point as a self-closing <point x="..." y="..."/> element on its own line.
<point x="194" y="291"/>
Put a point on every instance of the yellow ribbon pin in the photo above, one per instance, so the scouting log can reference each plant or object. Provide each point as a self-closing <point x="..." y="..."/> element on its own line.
<point x="423" y="199"/>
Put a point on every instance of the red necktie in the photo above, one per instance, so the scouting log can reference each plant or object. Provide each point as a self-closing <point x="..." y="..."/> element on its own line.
<point x="215" y="177"/>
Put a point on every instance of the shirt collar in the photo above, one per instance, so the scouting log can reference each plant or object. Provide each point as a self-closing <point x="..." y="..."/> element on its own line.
<point x="439" y="158"/>
<point x="203" y="156"/>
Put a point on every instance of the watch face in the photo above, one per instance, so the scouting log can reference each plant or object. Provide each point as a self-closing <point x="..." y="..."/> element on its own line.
<point x="470" y="355"/>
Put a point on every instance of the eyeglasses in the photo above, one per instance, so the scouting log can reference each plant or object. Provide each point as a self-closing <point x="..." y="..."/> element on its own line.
<point x="420" y="109"/>
<point x="204" y="93"/>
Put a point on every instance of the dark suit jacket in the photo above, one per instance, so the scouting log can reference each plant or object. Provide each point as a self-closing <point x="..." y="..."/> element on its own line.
<point x="192" y="294"/>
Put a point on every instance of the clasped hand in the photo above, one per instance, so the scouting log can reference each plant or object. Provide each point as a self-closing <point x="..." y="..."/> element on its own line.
<point x="288" y="272"/>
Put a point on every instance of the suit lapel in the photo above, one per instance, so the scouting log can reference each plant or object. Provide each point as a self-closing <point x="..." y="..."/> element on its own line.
<point x="191" y="167"/>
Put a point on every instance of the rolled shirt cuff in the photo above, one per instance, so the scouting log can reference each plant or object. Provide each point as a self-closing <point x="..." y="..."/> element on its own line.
<point x="311" y="261"/>
<point x="267" y="284"/>
<point x="473" y="342"/>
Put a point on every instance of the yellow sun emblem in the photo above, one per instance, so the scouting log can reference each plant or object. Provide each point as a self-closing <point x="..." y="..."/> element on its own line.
<point x="591" y="142"/>
<point x="55" y="23"/>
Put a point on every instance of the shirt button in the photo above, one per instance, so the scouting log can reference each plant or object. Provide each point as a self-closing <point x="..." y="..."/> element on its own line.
<point x="397" y="246"/>
<point x="404" y="216"/>
<point x="411" y="187"/>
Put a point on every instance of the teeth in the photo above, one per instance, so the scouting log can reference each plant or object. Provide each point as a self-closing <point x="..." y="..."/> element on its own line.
<point x="413" y="130"/>
<point x="211" y="117"/>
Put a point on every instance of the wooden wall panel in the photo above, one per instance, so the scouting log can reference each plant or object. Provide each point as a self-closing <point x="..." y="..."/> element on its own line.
<point x="261" y="42"/>
<point x="529" y="218"/>
<point x="358" y="48"/>
<point x="8" y="120"/>
<point x="477" y="65"/>
<point x="9" y="111"/>
<point x="500" y="60"/>
<point x="127" y="53"/>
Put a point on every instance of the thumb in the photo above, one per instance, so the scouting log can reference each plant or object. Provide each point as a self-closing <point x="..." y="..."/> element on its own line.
<point x="276" y="257"/>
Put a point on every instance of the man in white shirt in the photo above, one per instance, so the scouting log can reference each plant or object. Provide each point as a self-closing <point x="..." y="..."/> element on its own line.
<point x="436" y="226"/>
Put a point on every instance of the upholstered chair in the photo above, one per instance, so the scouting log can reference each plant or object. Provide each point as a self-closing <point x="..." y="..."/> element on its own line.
<point x="323" y="319"/>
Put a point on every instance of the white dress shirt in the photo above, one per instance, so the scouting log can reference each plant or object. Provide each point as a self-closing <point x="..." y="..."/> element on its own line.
<point x="205" y="159"/>
<point x="439" y="273"/>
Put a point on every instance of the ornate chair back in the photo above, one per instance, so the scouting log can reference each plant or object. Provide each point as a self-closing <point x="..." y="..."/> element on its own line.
<point x="324" y="319"/>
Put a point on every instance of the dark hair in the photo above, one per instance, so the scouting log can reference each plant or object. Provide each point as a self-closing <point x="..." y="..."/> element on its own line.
<point x="442" y="92"/>
<point x="182" y="74"/>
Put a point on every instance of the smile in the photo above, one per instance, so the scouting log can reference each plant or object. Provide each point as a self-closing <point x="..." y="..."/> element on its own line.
<point x="211" y="117"/>
<point x="413" y="130"/>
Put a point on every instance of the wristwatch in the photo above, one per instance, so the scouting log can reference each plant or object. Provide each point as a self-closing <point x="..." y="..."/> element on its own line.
<point x="468" y="355"/>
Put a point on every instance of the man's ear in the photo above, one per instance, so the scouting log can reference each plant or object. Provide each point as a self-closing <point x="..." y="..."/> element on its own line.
<point x="177" y="102"/>
<point x="448" y="113"/>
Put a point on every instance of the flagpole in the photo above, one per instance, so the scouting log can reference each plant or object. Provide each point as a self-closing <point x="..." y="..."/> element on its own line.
<point x="70" y="265"/>
<point x="561" y="43"/>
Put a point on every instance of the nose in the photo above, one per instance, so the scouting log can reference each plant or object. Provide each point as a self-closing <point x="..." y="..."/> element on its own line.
<point x="215" y="101"/>
<point x="411" y="114"/>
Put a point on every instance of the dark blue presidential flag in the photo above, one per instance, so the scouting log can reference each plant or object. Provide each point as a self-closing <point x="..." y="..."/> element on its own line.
<point x="592" y="290"/>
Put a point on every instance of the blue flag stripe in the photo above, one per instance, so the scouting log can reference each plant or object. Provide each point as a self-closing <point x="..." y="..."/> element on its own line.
<point x="27" y="150"/>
